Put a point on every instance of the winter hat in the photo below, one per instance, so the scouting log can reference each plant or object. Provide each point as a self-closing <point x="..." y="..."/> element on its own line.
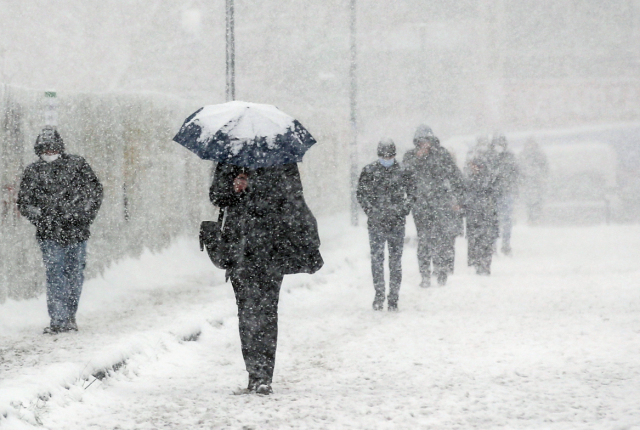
<point x="49" y="140"/>
<point x="480" y="160"/>
<point x="424" y="133"/>
<point x="386" y="148"/>
<point x="499" y="139"/>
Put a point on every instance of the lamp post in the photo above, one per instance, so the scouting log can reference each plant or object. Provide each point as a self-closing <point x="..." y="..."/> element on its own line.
<point x="231" y="54"/>
<point x="353" y="92"/>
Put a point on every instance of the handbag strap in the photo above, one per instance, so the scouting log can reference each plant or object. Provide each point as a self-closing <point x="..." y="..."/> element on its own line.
<point x="222" y="217"/>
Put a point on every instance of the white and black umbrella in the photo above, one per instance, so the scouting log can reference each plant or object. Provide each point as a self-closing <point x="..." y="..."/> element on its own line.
<point x="245" y="134"/>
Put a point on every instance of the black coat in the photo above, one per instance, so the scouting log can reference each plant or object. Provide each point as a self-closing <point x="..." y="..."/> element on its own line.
<point x="504" y="167"/>
<point x="60" y="198"/>
<point x="482" y="192"/>
<point x="435" y="187"/>
<point x="382" y="193"/>
<point x="269" y="224"/>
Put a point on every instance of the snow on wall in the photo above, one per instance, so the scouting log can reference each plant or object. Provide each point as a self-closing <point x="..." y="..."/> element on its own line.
<point x="153" y="189"/>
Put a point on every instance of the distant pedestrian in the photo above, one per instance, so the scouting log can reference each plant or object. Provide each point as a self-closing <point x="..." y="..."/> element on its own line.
<point x="382" y="193"/>
<point x="534" y="169"/>
<point x="507" y="172"/>
<point x="273" y="233"/>
<point x="480" y="206"/>
<point x="61" y="196"/>
<point x="435" y="191"/>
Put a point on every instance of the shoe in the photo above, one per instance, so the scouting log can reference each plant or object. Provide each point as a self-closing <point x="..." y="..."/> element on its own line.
<point x="483" y="271"/>
<point x="264" y="389"/>
<point x="506" y="250"/>
<point x="442" y="278"/>
<point x="392" y="307"/>
<point x="251" y="387"/>
<point x="253" y="383"/>
<point x="71" y="325"/>
<point x="426" y="283"/>
<point x="53" y="329"/>
<point x="378" y="305"/>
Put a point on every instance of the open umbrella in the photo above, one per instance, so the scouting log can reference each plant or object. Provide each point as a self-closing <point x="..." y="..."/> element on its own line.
<point x="245" y="134"/>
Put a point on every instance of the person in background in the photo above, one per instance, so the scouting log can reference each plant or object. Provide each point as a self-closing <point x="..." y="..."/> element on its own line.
<point x="506" y="171"/>
<point x="435" y="190"/>
<point x="382" y="193"/>
<point x="534" y="169"/>
<point x="480" y="207"/>
<point x="273" y="233"/>
<point x="61" y="196"/>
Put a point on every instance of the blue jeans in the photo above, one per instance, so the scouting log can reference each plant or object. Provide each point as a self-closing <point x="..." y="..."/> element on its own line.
<point x="64" y="267"/>
<point x="505" y="211"/>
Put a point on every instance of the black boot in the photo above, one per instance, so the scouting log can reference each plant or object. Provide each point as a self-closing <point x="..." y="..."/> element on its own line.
<point x="264" y="389"/>
<point x="378" y="302"/>
<point x="442" y="278"/>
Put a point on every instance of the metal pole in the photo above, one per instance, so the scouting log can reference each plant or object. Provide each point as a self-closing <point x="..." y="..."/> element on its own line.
<point x="353" y="92"/>
<point x="231" y="52"/>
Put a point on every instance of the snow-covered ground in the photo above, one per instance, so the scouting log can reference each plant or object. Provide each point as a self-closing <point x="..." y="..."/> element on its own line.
<point x="550" y="341"/>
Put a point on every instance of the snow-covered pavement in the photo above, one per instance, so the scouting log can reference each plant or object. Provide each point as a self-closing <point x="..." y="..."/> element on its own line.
<point x="550" y="341"/>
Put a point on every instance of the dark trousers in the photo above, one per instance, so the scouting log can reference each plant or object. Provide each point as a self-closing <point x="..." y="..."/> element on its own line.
<point x="505" y="212"/>
<point x="436" y="247"/>
<point x="64" y="267"/>
<point x="393" y="236"/>
<point x="257" y="291"/>
<point x="480" y="252"/>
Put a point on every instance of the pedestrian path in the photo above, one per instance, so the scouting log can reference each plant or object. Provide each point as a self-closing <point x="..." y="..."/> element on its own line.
<point x="550" y="340"/>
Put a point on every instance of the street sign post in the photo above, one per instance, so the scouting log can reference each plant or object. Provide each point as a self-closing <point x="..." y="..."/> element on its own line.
<point x="50" y="109"/>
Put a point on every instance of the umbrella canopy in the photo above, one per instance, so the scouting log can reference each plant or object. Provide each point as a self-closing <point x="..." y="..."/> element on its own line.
<point x="245" y="134"/>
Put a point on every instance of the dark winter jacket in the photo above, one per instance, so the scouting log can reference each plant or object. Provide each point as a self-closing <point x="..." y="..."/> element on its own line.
<point x="534" y="168"/>
<point x="60" y="198"/>
<point x="435" y="187"/>
<point x="482" y="192"/>
<point x="382" y="193"/>
<point x="505" y="168"/>
<point x="269" y="224"/>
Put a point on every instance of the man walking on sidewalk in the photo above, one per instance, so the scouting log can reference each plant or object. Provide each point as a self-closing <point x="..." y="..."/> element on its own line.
<point x="382" y="193"/>
<point x="436" y="190"/>
<point x="61" y="196"/>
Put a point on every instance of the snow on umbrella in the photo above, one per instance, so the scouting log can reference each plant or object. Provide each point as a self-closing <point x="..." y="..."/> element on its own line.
<point x="245" y="134"/>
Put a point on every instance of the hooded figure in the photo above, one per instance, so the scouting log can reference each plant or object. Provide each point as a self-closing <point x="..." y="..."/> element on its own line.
<point x="273" y="233"/>
<point x="482" y="192"/>
<point x="61" y="196"/>
<point x="436" y="192"/>
<point x="506" y="170"/>
<point x="382" y="193"/>
<point x="534" y="169"/>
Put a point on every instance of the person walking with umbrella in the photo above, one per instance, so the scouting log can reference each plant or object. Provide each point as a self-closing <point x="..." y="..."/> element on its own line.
<point x="267" y="223"/>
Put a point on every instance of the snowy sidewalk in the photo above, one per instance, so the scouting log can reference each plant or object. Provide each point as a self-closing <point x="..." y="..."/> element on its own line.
<point x="550" y="340"/>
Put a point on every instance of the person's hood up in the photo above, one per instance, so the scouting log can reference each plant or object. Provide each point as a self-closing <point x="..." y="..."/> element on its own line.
<point x="49" y="140"/>
<point x="424" y="132"/>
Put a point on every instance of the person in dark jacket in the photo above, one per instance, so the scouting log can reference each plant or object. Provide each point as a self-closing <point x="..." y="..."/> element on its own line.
<point x="534" y="169"/>
<point x="382" y="194"/>
<point x="435" y="192"/>
<point x="507" y="172"/>
<point x="272" y="233"/>
<point x="61" y="196"/>
<point x="480" y="206"/>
